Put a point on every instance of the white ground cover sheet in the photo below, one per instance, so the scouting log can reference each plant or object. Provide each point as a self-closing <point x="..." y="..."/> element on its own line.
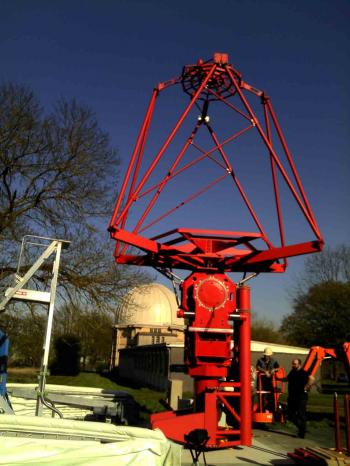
<point x="26" y="440"/>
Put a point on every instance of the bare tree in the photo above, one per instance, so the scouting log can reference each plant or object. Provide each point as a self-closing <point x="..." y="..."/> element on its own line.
<point x="58" y="176"/>
<point x="330" y="265"/>
<point x="55" y="169"/>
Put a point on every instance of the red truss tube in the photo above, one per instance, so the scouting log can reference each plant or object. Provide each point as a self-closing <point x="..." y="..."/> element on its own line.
<point x="136" y="153"/>
<point x="238" y="184"/>
<point x="166" y="179"/>
<point x="164" y="147"/>
<point x="274" y="179"/>
<point x="207" y="82"/>
<point x="303" y="204"/>
<point x="300" y="186"/>
<point x="198" y="159"/>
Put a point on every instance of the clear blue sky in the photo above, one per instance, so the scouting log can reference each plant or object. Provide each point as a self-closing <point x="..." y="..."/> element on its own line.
<point x="110" y="54"/>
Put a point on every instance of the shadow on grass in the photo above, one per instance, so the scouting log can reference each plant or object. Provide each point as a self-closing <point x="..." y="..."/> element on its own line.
<point x="148" y="399"/>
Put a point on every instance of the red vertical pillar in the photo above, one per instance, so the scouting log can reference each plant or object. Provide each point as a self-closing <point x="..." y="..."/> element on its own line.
<point x="336" y="423"/>
<point x="347" y="423"/>
<point x="243" y="301"/>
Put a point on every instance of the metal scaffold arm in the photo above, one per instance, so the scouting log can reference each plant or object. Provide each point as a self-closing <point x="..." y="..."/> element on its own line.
<point x="11" y="293"/>
<point x="42" y="297"/>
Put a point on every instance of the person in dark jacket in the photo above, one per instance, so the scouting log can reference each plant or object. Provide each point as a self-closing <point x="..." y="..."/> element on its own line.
<point x="299" y="384"/>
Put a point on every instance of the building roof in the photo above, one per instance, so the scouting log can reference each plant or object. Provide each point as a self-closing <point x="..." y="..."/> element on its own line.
<point x="255" y="347"/>
<point x="151" y="304"/>
<point x="259" y="346"/>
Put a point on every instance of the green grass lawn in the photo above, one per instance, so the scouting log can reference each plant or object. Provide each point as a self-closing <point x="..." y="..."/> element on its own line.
<point x="320" y="420"/>
<point x="320" y="406"/>
<point x="320" y="424"/>
<point x="147" y="399"/>
<point x="319" y="403"/>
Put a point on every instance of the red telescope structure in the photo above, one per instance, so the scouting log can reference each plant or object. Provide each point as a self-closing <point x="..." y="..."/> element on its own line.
<point x="215" y="308"/>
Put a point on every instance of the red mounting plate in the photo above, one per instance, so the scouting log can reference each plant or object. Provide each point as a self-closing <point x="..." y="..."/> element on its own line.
<point x="209" y="250"/>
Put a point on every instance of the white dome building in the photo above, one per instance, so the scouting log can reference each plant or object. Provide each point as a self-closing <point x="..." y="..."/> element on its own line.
<point x="152" y="304"/>
<point x="148" y="343"/>
<point x="147" y="315"/>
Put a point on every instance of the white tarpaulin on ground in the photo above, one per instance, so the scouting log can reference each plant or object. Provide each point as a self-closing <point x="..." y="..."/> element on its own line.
<point x="33" y="441"/>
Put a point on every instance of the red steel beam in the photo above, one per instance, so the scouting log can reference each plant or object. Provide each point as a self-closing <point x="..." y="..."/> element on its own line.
<point x="274" y="180"/>
<point x="292" y="165"/>
<point x="307" y="215"/>
<point x="133" y="156"/>
<point x="238" y="184"/>
<point x="167" y="142"/>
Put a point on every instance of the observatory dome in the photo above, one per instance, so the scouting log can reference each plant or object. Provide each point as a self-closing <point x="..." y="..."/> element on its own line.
<point x="151" y="304"/>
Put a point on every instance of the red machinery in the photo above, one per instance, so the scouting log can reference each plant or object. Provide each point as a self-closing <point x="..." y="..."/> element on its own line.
<point x="268" y="409"/>
<point x="318" y="353"/>
<point x="214" y="307"/>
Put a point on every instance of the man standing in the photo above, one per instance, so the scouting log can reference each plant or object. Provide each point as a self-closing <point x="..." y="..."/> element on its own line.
<point x="299" y="384"/>
<point x="266" y="367"/>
